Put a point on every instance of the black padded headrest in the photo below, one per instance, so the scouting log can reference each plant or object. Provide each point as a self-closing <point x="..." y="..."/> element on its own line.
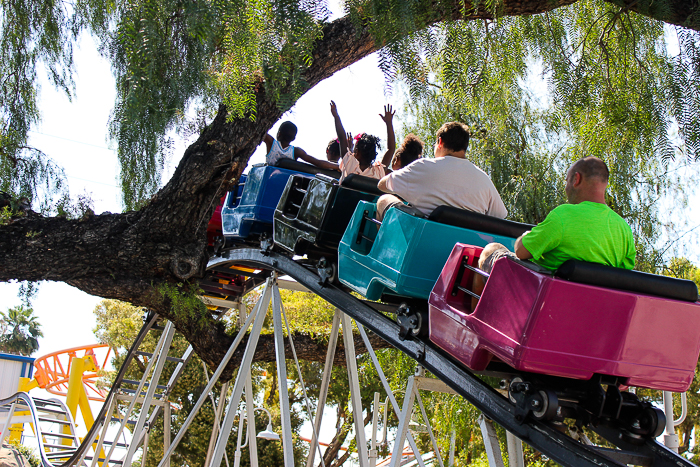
<point x="625" y="279"/>
<point x="362" y="183"/>
<point x="473" y="220"/>
<point x="291" y="164"/>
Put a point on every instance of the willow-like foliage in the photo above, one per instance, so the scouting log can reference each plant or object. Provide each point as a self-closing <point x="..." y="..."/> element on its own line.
<point x="33" y="34"/>
<point x="613" y="90"/>
<point x="168" y="55"/>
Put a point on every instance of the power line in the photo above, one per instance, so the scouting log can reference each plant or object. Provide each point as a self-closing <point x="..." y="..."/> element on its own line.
<point x="91" y="181"/>
<point x="72" y="141"/>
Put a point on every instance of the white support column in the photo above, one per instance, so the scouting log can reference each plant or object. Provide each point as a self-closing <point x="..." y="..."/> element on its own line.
<point x="287" y="443"/>
<point x="373" y="441"/>
<point x="103" y="432"/>
<point x="493" y="448"/>
<point x="218" y="410"/>
<point x="387" y="388"/>
<point x="430" y="428"/>
<point x="250" y="416"/>
<point x="166" y="429"/>
<point x="237" y="453"/>
<point x="243" y="370"/>
<point x="515" y="450"/>
<point x="671" y="440"/>
<point x="451" y="461"/>
<point x="325" y="382"/>
<point x="146" y="438"/>
<point x="160" y="357"/>
<point x="355" y="395"/>
<point x="404" y="419"/>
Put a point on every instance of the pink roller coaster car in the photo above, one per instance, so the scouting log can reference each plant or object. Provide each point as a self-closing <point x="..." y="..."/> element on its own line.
<point x="595" y="328"/>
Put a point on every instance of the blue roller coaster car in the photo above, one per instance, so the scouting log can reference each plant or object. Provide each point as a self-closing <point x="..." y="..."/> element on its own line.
<point x="248" y="212"/>
<point x="313" y="213"/>
<point x="404" y="254"/>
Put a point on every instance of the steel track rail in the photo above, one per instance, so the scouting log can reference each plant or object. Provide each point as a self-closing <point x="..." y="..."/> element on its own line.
<point x="551" y="442"/>
<point x="26" y="399"/>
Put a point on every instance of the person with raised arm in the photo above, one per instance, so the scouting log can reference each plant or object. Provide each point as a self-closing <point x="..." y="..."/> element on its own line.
<point x="360" y="159"/>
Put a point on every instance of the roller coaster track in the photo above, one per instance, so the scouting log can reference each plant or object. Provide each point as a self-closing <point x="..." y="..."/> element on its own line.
<point x="101" y="418"/>
<point x="543" y="437"/>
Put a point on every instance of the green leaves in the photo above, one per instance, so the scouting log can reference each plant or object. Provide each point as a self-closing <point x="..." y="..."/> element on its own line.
<point x="19" y="331"/>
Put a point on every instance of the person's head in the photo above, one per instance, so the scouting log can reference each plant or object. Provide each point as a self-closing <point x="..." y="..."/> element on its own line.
<point x="287" y="132"/>
<point x="452" y="139"/>
<point x="366" y="148"/>
<point x="586" y="180"/>
<point x="411" y="149"/>
<point x="333" y="151"/>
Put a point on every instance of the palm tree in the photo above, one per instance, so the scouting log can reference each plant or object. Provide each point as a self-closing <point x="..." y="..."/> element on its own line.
<point x="19" y="331"/>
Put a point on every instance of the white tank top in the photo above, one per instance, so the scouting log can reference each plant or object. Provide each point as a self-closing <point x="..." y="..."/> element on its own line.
<point x="276" y="153"/>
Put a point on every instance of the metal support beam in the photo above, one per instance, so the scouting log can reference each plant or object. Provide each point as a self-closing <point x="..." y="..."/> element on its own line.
<point x="161" y="358"/>
<point x="260" y="312"/>
<point x="355" y="395"/>
<point x="385" y="384"/>
<point x="132" y="404"/>
<point x="515" y="450"/>
<point x="215" y="377"/>
<point x="287" y="442"/>
<point x="493" y="448"/>
<point x="325" y="382"/>
<point x="375" y="423"/>
<point x="166" y="429"/>
<point x="404" y="419"/>
<point x="250" y="416"/>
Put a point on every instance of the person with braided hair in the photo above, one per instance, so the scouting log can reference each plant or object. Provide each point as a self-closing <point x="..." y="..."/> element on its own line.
<point x="361" y="160"/>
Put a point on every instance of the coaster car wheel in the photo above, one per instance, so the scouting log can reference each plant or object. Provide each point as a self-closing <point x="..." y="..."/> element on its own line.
<point x="649" y="423"/>
<point x="544" y="404"/>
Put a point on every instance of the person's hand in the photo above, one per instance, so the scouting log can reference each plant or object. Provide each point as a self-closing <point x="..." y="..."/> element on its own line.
<point x="351" y="142"/>
<point x="334" y="109"/>
<point x="388" y="114"/>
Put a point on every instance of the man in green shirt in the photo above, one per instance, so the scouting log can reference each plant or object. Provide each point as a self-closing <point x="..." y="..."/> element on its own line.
<point x="586" y="229"/>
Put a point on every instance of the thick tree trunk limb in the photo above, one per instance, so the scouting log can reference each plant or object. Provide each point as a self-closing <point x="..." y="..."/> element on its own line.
<point x="124" y="256"/>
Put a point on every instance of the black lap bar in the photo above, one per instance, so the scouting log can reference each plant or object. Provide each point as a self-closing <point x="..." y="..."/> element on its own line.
<point x="362" y="183"/>
<point x="291" y="164"/>
<point x="624" y="279"/>
<point x="474" y="221"/>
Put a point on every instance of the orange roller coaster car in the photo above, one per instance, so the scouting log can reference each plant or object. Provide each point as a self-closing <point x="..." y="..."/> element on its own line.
<point x="53" y="370"/>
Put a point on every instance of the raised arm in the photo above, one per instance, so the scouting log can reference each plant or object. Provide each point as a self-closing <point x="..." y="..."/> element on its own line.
<point x="268" y="142"/>
<point x="388" y="118"/>
<point x="321" y="164"/>
<point x="339" y="130"/>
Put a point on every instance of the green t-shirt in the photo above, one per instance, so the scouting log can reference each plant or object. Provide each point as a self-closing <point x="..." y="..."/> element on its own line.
<point x="585" y="231"/>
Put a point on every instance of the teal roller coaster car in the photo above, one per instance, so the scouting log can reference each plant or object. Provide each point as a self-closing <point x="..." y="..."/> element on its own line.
<point x="404" y="254"/>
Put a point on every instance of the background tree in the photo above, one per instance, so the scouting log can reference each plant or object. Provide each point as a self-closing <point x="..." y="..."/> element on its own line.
<point x="248" y="62"/>
<point x="19" y="331"/>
